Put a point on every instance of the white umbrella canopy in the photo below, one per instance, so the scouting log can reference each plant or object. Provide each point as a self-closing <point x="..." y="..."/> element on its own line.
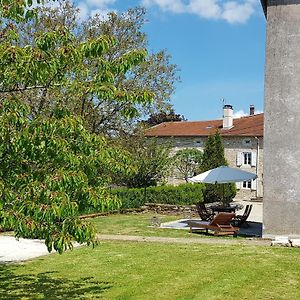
<point x="223" y="174"/>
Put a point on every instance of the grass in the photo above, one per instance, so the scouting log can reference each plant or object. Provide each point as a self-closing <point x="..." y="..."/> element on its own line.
<point x="138" y="224"/>
<point x="115" y="270"/>
<point x="131" y="270"/>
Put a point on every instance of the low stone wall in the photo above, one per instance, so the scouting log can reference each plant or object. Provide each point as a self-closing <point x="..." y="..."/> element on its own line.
<point x="170" y="209"/>
<point x="164" y="209"/>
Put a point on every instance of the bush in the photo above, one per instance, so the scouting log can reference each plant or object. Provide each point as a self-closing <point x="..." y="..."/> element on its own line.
<point x="184" y="194"/>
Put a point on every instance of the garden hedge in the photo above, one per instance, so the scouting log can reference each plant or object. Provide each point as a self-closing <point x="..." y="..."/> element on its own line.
<point x="184" y="194"/>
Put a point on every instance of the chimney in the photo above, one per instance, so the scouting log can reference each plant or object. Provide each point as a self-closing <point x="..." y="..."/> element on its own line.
<point x="227" y="116"/>
<point x="252" y="109"/>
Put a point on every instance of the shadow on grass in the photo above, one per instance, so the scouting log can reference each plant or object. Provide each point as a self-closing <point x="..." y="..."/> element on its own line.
<point x="46" y="286"/>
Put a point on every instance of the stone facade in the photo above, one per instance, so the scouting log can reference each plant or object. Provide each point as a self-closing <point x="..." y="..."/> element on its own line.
<point x="234" y="147"/>
<point x="282" y="119"/>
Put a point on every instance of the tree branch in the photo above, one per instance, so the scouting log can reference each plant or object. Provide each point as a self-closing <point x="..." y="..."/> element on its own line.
<point x="28" y="88"/>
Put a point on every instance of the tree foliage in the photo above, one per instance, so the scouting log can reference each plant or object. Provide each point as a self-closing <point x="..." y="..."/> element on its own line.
<point x="213" y="157"/>
<point x="51" y="166"/>
<point x="60" y="68"/>
<point x="187" y="162"/>
<point x="163" y="116"/>
<point x="150" y="159"/>
<point x="213" y="154"/>
<point x="50" y="169"/>
<point x="101" y="93"/>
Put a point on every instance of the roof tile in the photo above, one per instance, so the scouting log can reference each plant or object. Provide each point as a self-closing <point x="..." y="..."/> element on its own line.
<point x="245" y="126"/>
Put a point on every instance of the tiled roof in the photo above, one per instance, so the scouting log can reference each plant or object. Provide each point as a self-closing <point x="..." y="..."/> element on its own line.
<point x="245" y="126"/>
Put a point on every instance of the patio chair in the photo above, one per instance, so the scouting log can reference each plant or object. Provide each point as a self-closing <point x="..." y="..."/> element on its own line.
<point x="204" y="214"/>
<point x="220" y="224"/>
<point x="240" y="220"/>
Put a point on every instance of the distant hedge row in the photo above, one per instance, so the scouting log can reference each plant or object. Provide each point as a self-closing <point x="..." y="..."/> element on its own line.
<point x="184" y="194"/>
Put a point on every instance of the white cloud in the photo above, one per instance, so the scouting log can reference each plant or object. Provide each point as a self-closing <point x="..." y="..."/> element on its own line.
<point x="235" y="11"/>
<point x="100" y="3"/>
<point x="241" y="113"/>
<point x="175" y="6"/>
<point x="238" y="13"/>
<point x="208" y="9"/>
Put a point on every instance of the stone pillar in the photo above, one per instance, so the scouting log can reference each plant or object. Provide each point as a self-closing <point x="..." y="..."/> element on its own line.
<point x="281" y="213"/>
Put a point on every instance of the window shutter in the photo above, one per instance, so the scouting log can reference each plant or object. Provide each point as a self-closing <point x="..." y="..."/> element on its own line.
<point x="254" y="185"/>
<point x="253" y="159"/>
<point x="239" y="159"/>
<point x="238" y="185"/>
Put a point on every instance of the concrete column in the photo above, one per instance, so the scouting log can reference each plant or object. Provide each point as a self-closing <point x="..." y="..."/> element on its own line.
<point x="281" y="213"/>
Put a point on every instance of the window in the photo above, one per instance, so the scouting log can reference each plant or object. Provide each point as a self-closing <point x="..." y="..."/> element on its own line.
<point x="247" y="184"/>
<point x="247" y="158"/>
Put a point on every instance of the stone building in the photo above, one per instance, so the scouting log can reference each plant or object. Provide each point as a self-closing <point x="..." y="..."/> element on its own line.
<point x="242" y="139"/>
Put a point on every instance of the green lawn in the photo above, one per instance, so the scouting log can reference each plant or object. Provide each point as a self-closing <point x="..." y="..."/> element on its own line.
<point x="132" y="270"/>
<point x="128" y="270"/>
<point x="138" y="224"/>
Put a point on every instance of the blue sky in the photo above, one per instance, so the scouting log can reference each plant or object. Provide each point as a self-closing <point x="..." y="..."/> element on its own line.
<point x="218" y="45"/>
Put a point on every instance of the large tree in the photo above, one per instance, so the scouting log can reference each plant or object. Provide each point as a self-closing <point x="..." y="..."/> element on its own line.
<point x="51" y="167"/>
<point x="104" y="113"/>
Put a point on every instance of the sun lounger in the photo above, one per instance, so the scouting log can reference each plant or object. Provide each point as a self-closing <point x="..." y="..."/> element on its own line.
<point x="203" y="213"/>
<point x="220" y="224"/>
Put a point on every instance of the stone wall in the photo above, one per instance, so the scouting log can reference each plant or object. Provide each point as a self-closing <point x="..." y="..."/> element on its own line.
<point x="187" y="211"/>
<point x="232" y="146"/>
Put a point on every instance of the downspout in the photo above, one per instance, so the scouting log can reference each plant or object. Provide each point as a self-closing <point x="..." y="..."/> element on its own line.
<point x="257" y="162"/>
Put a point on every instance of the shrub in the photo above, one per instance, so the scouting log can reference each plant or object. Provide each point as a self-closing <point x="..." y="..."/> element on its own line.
<point x="184" y="194"/>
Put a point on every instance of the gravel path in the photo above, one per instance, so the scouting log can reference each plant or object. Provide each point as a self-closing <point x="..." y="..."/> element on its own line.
<point x="12" y="250"/>
<point x="200" y="240"/>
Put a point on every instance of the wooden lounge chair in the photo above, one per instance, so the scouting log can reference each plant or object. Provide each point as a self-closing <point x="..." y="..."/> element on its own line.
<point x="204" y="214"/>
<point x="220" y="224"/>
<point x="240" y="220"/>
